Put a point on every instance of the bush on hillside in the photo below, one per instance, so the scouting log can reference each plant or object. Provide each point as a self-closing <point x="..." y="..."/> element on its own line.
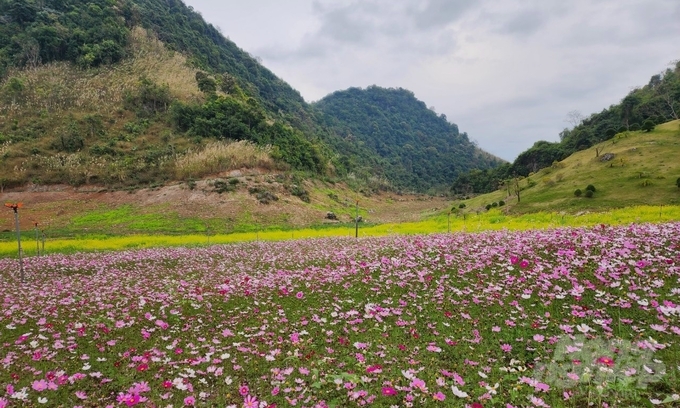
<point x="501" y="203"/>
<point x="589" y="194"/>
<point x="648" y="125"/>
<point x="591" y="188"/>
<point x="578" y="192"/>
<point x="677" y="182"/>
<point x="462" y="205"/>
<point x="488" y="207"/>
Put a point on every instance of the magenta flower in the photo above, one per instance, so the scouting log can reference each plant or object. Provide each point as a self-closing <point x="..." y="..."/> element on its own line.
<point x="299" y="295"/>
<point x="243" y="390"/>
<point x="388" y="391"/>
<point x="439" y="396"/>
<point x="190" y="401"/>
<point x="506" y="348"/>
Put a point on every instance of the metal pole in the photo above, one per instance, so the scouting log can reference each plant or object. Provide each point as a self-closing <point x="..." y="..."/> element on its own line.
<point x="37" y="241"/>
<point x="16" y="225"/>
<point x="356" y="222"/>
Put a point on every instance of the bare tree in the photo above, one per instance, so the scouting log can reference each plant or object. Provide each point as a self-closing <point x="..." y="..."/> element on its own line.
<point x="574" y="118"/>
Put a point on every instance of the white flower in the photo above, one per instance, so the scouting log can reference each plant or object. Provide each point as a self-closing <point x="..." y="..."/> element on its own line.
<point x="407" y="374"/>
<point x="228" y="380"/>
<point x="481" y="374"/>
<point x="584" y="328"/>
<point x="42" y="400"/>
<point x="458" y="393"/>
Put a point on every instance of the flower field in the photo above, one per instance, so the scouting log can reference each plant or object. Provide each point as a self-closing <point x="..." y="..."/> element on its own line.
<point x="562" y="318"/>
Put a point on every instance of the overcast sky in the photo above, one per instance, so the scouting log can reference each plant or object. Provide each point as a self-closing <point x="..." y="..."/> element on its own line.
<point x="507" y="72"/>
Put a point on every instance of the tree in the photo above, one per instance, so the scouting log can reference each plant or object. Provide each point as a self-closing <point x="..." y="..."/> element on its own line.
<point x="648" y="125"/>
<point x="574" y="118"/>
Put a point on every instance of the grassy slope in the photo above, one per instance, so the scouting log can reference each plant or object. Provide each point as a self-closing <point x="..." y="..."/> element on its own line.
<point x="643" y="172"/>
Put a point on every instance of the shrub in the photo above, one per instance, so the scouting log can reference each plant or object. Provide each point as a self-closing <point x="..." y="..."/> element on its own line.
<point x="635" y="127"/>
<point x="299" y="192"/>
<point x="488" y="207"/>
<point x="589" y="194"/>
<point x="501" y="203"/>
<point x="590" y="188"/>
<point x="462" y="205"/>
<point x="648" y="125"/>
<point x="578" y="192"/>
<point x="264" y="196"/>
<point x="677" y="182"/>
<point x="494" y="204"/>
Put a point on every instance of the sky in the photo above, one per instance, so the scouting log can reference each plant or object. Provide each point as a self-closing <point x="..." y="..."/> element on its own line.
<point x="507" y="72"/>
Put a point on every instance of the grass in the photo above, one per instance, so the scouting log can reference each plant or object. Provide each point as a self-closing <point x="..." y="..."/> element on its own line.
<point x="643" y="171"/>
<point x="207" y="233"/>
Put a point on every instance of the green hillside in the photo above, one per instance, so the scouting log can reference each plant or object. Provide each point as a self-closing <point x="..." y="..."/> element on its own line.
<point x="117" y="93"/>
<point x="643" y="107"/>
<point x="632" y="168"/>
<point x="416" y="148"/>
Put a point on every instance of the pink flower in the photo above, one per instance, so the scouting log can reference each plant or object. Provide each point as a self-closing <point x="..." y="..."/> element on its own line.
<point x="40" y="385"/>
<point x="275" y="391"/>
<point x="388" y="391"/>
<point x="81" y="394"/>
<point x="419" y="384"/>
<point x="299" y="295"/>
<point x="129" y="399"/>
<point x="163" y="325"/>
<point x="506" y="348"/>
<point x="243" y="390"/>
<point x="3" y="403"/>
<point x="539" y="338"/>
<point x="190" y="401"/>
<point x="439" y="396"/>
<point x="250" y="402"/>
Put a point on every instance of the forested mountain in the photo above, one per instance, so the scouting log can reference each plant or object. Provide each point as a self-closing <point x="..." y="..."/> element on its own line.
<point x="115" y="92"/>
<point x="642" y="109"/>
<point x="417" y="149"/>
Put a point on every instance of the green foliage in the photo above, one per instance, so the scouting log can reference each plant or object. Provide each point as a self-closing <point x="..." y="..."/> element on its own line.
<point x="263" y="195"/>
<point x="226" y="117"/>
<point x="590" y="187"/>
<point x="221" y="186"/>
<point x="488" y="207"/>
<point x="501" y="203"/>
<point x="88" y="33"/>
<point x="589" y="194"/>
<point x="149" y="99"/>
<point x="461" y="205"/>
<point x="399" y="138"/>
<point x="578" y="192"/>
<point x="677" y="182"/>
<point x="648" y="125"/>
<point x="494" y="204"/>
<point x="299" y="192"/>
